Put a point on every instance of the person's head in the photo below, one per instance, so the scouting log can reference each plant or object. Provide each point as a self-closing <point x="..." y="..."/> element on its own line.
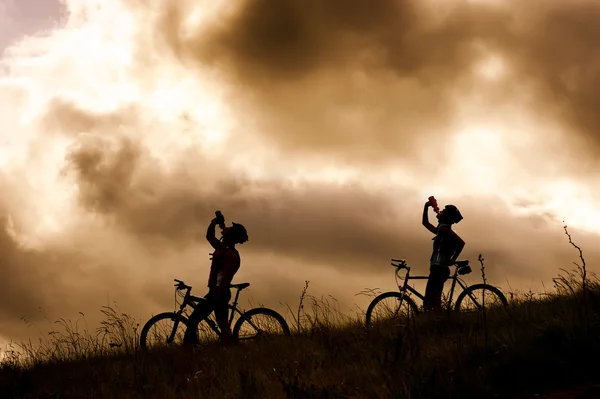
<point x="236" y="234"/>
<point x="449" y="215"/>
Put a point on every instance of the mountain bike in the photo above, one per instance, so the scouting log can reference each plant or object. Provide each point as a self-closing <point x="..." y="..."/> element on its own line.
<point x="251" y="324"/>
<point x="390" y="304"/>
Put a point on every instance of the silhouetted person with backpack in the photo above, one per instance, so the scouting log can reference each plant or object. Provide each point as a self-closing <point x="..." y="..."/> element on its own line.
<point x="447" y="246"/>
<point x="225" y="263"/>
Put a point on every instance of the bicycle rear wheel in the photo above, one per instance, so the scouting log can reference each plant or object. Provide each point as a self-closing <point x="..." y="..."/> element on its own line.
<point x="390" y="306"/>
<point x="164" y="329"/>
<point x="474" y="297"/>
<point x="260" y="322"/>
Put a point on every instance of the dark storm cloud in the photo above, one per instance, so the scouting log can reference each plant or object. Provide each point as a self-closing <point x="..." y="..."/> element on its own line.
<point x="365" y="79"/>
<point x="355" y="78"/>
<point x="289" y="40"/>
<point x="43" y="281"/>
<point x="558" y="53"/>
<point x="21" y="272"/>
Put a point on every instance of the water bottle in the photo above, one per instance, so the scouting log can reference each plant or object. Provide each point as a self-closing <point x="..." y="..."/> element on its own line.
<point x="434" y="204"/>
<point x="220" y="219"/>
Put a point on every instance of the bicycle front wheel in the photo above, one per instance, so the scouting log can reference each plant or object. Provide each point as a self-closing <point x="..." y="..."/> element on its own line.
<point x="390" y="306"/>
<point x="476" y="296"/>
<point x="164" y="329"/>
<point x="260" y="322"/>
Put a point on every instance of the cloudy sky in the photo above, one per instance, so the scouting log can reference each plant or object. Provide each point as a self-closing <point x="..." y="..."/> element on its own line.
<point x="323" y="126"/>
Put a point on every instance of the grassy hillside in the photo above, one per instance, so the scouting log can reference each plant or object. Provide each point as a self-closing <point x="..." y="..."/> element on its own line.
<point x="544" y="343"/>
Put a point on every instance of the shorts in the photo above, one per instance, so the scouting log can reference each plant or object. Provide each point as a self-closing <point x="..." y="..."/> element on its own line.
<point x="439" y="272"/>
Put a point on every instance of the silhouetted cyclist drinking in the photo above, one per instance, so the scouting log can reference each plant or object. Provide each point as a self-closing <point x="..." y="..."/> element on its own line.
<point x="447" y="246"/>
<point x="225" y="263"/>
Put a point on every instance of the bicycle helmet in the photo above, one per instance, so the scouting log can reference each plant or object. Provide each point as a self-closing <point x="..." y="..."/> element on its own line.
<point x="239" y="233"/>
<point x="453" y="212"/>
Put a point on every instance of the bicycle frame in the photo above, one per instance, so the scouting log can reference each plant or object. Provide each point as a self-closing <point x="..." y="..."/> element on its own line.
<point x="195" y="301"/>
<point x="407" y="288"/>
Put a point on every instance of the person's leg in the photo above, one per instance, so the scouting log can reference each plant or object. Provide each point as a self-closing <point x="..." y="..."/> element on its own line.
<point x="435" y="286"/>
<point x="202" y="310"/>
<point x="221" y="314"/>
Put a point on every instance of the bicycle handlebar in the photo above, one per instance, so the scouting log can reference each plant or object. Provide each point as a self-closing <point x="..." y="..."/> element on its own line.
<point x="400" y="265"/>
<point x="181" y="285"/>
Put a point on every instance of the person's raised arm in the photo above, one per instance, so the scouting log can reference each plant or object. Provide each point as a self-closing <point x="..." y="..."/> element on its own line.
<point x="425" y="222"/>
<point x="210" y="235"/>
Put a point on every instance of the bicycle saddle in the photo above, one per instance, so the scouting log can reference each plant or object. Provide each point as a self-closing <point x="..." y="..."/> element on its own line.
<point x="239" y="286"/>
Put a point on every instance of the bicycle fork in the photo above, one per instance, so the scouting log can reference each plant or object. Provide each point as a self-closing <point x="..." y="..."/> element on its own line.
<point x="175" y="325"/>
<point x="403" y="290"/>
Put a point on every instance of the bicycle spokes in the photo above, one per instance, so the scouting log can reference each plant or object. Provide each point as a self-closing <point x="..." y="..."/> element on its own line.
<point x="390" y="308"/>
<point x="165" y="332"/>
<point x="259" y="325"/>
<point x="475" y="300"/>
<point x="208" y="330"/>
